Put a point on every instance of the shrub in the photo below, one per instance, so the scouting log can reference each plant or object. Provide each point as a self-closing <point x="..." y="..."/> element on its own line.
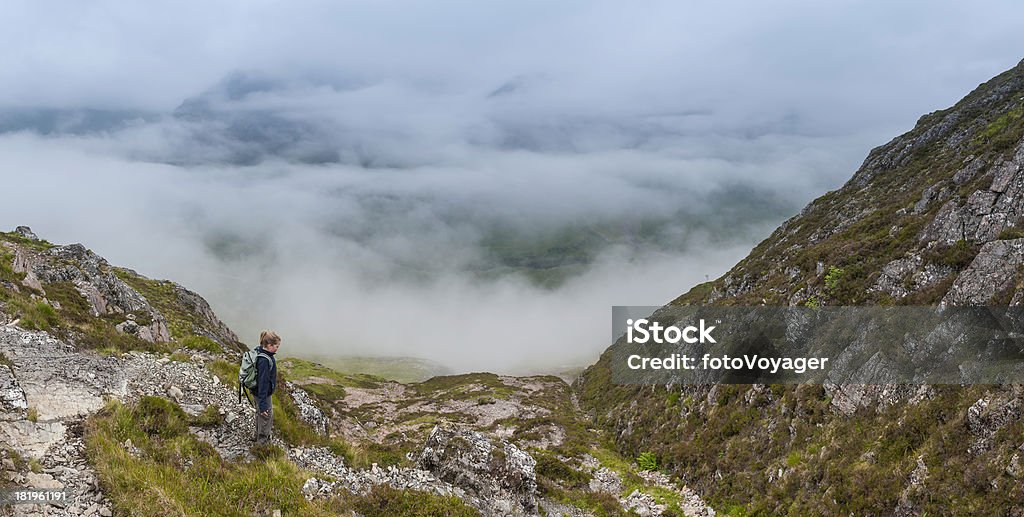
<point x="833" y="277"/>
<point x="647" y="461"/>
<point x="159" y="416"/>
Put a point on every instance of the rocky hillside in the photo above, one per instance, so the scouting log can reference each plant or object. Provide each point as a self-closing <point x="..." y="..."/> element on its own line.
<point x="936" y="216"/>
<point x="123" y="390"/>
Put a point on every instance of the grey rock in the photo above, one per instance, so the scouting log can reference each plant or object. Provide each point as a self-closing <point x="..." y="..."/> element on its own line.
<point x="936" y="192"/>
<point x="308" y="410"/>
<point x="175" y="394"/>
<point x="971" y="169"/>
<point x="26" y="232"/>
<point x="500" y="474"/>
<point x="992" y="271"/>
<point x="12" y="397"/>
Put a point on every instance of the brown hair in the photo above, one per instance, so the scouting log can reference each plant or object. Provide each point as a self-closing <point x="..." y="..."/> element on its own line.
<point x="269" y="337"/>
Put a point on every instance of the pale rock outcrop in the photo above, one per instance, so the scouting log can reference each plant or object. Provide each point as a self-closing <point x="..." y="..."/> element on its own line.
<point x="502" y="474"/>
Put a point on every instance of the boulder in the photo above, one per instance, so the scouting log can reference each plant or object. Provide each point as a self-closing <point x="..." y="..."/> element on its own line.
<point x="501" y="474"/>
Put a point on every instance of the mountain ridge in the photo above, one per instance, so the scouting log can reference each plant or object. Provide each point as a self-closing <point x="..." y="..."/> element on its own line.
<point x="932" y="217"/>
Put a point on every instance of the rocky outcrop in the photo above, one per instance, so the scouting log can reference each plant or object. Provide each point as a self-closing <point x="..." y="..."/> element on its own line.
<point x="985" y="213"/>
<point x="94" y="279"/>
<point x="502" y="474"/>
<point x="994" y="270"/>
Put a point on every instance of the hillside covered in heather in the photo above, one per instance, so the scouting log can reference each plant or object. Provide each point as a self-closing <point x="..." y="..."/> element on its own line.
<point x="935" y="216"/>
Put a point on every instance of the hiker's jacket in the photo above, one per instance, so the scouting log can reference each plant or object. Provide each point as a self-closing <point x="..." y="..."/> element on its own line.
<point x="266" y="378"/>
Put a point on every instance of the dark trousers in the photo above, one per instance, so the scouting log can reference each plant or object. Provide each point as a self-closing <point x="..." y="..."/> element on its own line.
<point x="264" y="424"/>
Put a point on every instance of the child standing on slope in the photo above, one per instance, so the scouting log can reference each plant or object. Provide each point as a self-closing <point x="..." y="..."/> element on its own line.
<point x="266" y="381"/>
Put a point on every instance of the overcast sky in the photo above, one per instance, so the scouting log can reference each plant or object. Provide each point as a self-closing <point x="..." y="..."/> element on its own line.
<point x="336" y="170"/>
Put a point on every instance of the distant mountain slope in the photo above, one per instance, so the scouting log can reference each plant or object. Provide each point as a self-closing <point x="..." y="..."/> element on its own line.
<point x="934" y="216"/>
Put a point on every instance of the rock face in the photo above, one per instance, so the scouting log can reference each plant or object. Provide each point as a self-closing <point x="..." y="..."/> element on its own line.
<point x="501" y="474"/>
<point x="993" y="270"/>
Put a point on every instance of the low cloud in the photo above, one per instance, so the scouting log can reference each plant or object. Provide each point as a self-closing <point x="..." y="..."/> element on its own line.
<point x="470" y="183"/>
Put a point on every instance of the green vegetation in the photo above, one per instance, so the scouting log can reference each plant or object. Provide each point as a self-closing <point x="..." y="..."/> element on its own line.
<point x="177" y="473"/>
<point x="32" y="414"/>
<point x="834" y="276"/>
<point x="465" y="387"/>
<point x="399" y="369"/>
<point x="1004" y="131"/>
<point x="180" y="357"/>
<point x="863" y="459"/>
<point x="38" y="316"/>
<point x="14" y="238"/>
<point x="73" y="321"/>
<point x="957" y="256"/>
<point x="647" y="461"/>
<point x="1014" y="232"/>
<point x="672" y="399"/>
<point x="210" y="417"/>
<point x="386" y="501"/>
<point x="200" y="343"/>
<point x="183" y="324"/>
<point x="6" y="452"/>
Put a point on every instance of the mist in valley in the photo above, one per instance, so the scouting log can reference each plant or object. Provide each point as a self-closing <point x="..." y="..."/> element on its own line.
<point x="471" y="185"/>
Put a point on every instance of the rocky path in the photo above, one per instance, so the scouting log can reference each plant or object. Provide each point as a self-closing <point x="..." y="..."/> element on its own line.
<point x="50" y="390"/>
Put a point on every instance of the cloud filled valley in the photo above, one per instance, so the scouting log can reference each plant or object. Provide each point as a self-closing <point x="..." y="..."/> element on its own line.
<point x="477" y="193"/>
